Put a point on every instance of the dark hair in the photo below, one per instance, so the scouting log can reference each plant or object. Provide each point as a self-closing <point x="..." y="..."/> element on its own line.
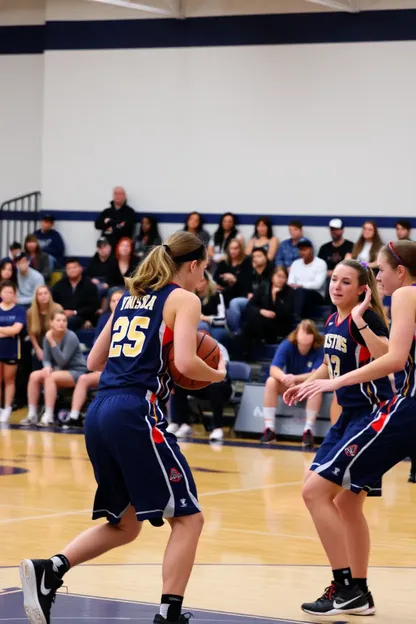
<point x="267" y="222"/>
<point x="219" y="234"/>
<point x="259" y="250"/>
<point x="401" y="253"/>
<point x="201" y="221"/>
<point x="31" y="238"/>
<point x="405" y="223"/>
<point x="296" y="223"/>
<point x="153" y="234"/>
<point x="115" y="291"/>
<point x="15" y="245"/>
<point x="8" y="284"/>
<point x="3" y="263"/>
<point x="376" y="245"/>
<point x="283" y="268"/>
<point x="72" y="260"/>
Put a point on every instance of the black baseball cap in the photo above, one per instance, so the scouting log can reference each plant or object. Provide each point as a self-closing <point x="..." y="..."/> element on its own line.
<point x="305" y="242"/>
<point x="47" y="216"/>
<point x="20" y="256"/>
<point x="102" y="241"/>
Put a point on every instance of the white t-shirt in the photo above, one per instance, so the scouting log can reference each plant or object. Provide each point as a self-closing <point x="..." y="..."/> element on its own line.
<point x="311" y="276"/>
<point x="364" y="255"/>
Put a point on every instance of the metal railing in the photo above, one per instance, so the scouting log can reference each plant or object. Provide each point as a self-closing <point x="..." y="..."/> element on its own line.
<point x="18" y="218"/>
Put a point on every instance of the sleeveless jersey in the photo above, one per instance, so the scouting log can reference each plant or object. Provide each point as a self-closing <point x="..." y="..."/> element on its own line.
<point x="139" y="342"/>
<point x="406" y="379"/>
<point x="345" y="354"/>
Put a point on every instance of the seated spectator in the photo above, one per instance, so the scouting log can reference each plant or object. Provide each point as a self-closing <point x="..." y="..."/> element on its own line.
<point x="403" y="229"/>
<point x="38" y="259"/>
<point x="226" y="232"/>
<point x="126" y="260"/>
<point x="39" y="319"/>
<point x="147" y="237"/>
<point x="307" y="277"/>
<point x="50" y="240"/>
<point x="249" y="280"/>
<point x="263" y="238"/>
<point x="119" y="220"/>
<point x="12" y="322"/>
<point x="77" y="295"/>
<point x="228" y="270"/>
<point x="102" y="269"/>
<point x="195" y="224"/>
<point x="28" y="280"/>
<point x="218" y="394"/>
<point x="90" y="380"/>
<point x="269" y="313"/>
<point x="14" y="249"/>
<point x="368" y="245"/>
<point x="213" y="318"/>
<point x="63" y="364"/>
<point x="293" y="362"/>
<point x="8" y="271"/>
<point x="288" y="249"/>
<point x="334" y="251"/>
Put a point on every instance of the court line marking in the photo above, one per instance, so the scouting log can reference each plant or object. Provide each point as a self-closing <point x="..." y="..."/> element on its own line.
<point x="12" y="506"/>
<point x="250" y="489"/>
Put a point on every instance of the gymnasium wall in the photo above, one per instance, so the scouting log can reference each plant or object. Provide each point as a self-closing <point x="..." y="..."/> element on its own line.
<point x="254" y="115"/>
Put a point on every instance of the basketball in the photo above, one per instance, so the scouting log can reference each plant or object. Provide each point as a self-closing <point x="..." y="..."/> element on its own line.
<point x="208" y="350"/>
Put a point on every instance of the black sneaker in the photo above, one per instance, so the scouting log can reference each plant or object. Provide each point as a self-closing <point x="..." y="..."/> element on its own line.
<point x="39" y="583"/>
<point x="183" y="619"/>
<point x="268" y="436"/>
<point x="74" y="423"/>
<point x="308" y="440"/>
<point x="339" y="599"/>
<point x="371" y="606"/>
<point x="412" y="477"/>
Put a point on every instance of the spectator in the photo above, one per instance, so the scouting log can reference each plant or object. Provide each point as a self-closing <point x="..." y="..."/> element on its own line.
<point x="226" y="232"/>
<point x="307" y="276"/>
<point x="63" y="364"/>
<point x="12" y="321"/>
<point x="38" y="259"/>
<point x="403" y="229"/>
<point x="90" y="380"/>
<point x="263" y="238"/>
<point x="213" y="318"/>
<point x="195" y="224"/>
<point x="228" y="270"/>
<point x="117" y="221"/>
<point x="288" y="249"/>
<point x="368" y="245"/>
<point x="249" y="280"/>
<point x="7" y="271"/>
<point x="147" y="237"/>
<point x="217" y="394"/>
<point x="102" y="269"/>
<point x="14" y="249"/>
<point x="50" y="240"/>
<point x="39" y="319"/>
<point x="293" y="362"/>
<point x="126" y="260"/>
<point x="269" y="313"/>
<point x="77" y="295"/>
<point x="28" y="280"/>
<point x="336" y="250"/>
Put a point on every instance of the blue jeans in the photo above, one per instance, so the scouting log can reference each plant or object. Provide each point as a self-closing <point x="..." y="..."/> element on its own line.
<point x="235" y="312"/>
<point x="219" y="333"/>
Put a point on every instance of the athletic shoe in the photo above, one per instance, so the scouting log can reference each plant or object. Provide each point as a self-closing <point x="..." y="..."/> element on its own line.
<point x="45" y="421"/>
<point x="29" y="420"/>
<point x="371" y="606"/>
<point x="4" y="416"/>
<point x="307" y="440"/>
<point x="172" y="428"/>
<point x="268" y="436"/>
<point x="39" y="583"/>
<point x="184" y="431"/>
<point x="183" y="619"/>
<point x="339" y="599"/>
<point x="74" y="423"/>
<point x="412" y="477"/>
<point x="216" y="435"/>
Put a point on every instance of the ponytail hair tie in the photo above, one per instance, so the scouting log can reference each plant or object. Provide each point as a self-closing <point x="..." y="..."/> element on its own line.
<point x="167" y="248"/>
<point x="365" y="265"/>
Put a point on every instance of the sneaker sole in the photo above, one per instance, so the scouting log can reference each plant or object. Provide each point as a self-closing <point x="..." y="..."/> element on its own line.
<point x="30" y="593"/>
<point x="357" y="611"/>
<point x="370" y="611"/>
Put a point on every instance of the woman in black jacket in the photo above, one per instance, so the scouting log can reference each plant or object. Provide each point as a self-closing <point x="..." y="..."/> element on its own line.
<point x="213" y="319"/>
<point x="229" y="273"/>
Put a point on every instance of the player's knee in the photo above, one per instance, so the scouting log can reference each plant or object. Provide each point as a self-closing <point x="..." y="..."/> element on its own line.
<point x="348" y="504"/>
<point x="308" y="492"/>
<point x="131" y="529"/>
<point x="273" y="385"/>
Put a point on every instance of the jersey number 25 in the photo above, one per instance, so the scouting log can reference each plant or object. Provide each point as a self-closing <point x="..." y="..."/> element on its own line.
<point x="122" y="328"/>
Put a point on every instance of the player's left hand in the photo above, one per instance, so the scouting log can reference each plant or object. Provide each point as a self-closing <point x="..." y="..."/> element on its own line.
<point x="357" y="313"/>
<point x="311" y="389"/>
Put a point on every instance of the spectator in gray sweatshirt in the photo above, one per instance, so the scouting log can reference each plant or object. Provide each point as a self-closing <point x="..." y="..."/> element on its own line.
<point x="63" y="364"/>
<point x="28" y="280"/>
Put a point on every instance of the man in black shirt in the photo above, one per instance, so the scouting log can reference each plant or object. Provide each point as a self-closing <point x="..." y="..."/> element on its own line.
<point x="77" y="295"/>
<point x="336" y="250"/>
<point x="117" y="221"/>
<point x="103" y="268"/>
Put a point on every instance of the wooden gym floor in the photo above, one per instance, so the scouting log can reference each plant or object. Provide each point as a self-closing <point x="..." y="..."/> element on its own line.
<point x="259" y="555"/>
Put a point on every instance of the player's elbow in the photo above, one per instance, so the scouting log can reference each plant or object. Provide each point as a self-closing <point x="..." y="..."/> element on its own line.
<point x="183" y="364"/>
<point x="398" y="363"/>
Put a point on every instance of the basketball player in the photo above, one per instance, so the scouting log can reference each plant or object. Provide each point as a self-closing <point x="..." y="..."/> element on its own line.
<point x="353" y="336"/>
<point x="362" y="456"/>
<point x="140" y="471"/>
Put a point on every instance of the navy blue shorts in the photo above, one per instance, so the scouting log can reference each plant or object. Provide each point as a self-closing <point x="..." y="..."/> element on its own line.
<point x="332" y="459"/>
<point x="136" y="461"/>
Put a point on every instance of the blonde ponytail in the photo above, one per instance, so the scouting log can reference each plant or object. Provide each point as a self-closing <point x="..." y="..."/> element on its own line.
<point x="366" y="278"/>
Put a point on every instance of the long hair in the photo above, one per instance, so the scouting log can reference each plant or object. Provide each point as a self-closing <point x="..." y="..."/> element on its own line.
<point x="159" y="267"/>
<point x="5" y="262"/>
<point x="366" y="278"/>
<point x="242" y="253"/>
<point x="152" y="234"/>
<point x="268" y="223"/>
<point x="31" y="238"/>
<point x="211" y="288"/>
<point x="117" y="250"/>
<point x="376" y="245"/>
<point x="310" y="328"/>
<point x="219" y="234"/>
<point x="401" y="253"/>
<point x="201" y="221"/>
<point x="34" y="315"/>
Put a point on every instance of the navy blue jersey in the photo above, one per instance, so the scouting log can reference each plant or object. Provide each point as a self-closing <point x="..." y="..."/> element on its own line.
<point x="346" y="351"/>
<point x="10" y="347"/>
<point x="406" y="380"/>
<point x="139" y="340"/>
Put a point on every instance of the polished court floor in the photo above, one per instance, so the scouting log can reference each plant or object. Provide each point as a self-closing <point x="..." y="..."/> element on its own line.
<point x="259" y="557"/>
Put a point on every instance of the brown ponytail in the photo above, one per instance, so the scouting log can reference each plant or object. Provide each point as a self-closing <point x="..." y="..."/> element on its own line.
<point x="401" y="253"/>
<point x="366" y="278"/>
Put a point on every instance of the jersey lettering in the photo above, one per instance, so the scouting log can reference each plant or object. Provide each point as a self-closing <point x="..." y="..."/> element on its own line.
<point x="337" y="342"/>
<point x="135" y="303"/>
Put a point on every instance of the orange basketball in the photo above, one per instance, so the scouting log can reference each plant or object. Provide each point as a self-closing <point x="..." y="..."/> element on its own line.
<point x="208" y="350"/>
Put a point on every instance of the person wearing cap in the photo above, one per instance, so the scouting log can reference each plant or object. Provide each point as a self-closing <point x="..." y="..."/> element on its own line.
<point x="117" y="221"/>
<point x="14" y="249"/>
<point x="28" y="280"/>
<point x="288" y="249"/>
<point x="50" y="240"/>
<point x="336" y="250"/>
<point x="307" y="277"/>
<point x="103" y="268"/>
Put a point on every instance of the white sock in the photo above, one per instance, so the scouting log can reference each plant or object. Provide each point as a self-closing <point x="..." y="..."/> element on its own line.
<point x="49" y="415"/>
<point x="7" y="411"/>
<point x="310" y="420"/>
<point x="269" y="415"/>
<point x="73" y="415"/>
<point x="33" y="411"/>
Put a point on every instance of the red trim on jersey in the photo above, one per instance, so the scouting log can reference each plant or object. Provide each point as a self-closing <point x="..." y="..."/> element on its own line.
<point x="167" y="336"/>
<point x="378" y="424"/>
<point x="157" y="436"/>
<point x="330" y="317"/>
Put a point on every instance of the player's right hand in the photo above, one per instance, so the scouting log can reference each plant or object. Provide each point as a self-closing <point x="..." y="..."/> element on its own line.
<point x="222" y="367"/>
<point x="290" y="396"/>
